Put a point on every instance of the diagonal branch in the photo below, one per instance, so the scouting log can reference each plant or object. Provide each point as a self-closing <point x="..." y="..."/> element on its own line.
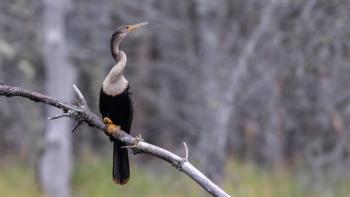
<point x="82" y="114"/>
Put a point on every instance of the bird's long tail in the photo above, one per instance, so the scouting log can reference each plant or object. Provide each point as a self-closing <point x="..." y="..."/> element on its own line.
<point x="121" y="170"/>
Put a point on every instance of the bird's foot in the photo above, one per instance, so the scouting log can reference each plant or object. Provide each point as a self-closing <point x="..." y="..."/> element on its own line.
<point x="107" y="120"/>
<point x="139" y="139"/>
<point x="136" y="142"/>
<point x="111" y="128"/>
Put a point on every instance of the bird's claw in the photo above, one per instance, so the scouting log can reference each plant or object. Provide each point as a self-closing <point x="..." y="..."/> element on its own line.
<point x="107" y="120"/>
<point x="111" y="128"/>
<point x="138" y="139"/>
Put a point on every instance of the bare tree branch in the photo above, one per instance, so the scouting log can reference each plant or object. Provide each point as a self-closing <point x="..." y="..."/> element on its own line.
<point x="82" y="113"/>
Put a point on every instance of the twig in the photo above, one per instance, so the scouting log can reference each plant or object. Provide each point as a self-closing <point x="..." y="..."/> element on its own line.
<point x="76" y="126"/>
<point x="82" y="114"/>
<point x="58" y="116"/>
<point x="186" y="151"/>
<point x="81" y="98"/>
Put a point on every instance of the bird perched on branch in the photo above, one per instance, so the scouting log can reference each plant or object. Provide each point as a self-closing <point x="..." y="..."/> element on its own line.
<point x="116" y="104"/>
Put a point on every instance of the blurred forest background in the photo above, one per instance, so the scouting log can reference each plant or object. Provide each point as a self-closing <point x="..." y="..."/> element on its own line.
<point x="258" y="89"/>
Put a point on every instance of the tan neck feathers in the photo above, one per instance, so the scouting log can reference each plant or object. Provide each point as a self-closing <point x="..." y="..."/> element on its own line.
<point x="115" y="83"/>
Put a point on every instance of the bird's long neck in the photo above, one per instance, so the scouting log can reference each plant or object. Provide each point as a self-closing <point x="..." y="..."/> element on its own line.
<point x="115" y="83"/>
<point x="115" y="42"/>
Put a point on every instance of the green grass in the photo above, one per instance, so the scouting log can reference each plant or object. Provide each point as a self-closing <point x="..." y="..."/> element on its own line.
<point x="93" y="178"/>
<point x="248" y="180"/>
<point x="17" y="180"/>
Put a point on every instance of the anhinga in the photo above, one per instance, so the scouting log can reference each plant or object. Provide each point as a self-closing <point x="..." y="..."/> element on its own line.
<point x="116" y="104"/>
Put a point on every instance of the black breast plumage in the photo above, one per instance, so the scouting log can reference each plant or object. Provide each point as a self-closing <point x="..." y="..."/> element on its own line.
<point x="118" y="108"/>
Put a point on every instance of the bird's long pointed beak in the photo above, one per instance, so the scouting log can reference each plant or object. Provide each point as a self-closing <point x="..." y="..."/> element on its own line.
<point x="136" y="26"/>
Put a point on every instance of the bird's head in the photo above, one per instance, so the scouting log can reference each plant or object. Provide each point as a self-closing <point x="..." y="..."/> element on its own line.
<point x="123" y="30"/>
<point x="120" y="34"/>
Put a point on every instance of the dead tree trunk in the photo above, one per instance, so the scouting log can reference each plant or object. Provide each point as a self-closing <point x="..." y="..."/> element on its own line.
<point x="221" y="94"/>
<point x="55" y="164"/>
